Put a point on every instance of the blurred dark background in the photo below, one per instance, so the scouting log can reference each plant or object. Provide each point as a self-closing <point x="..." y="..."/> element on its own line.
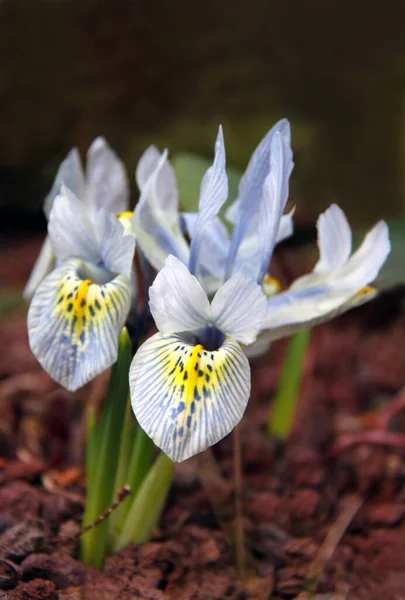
<point x="168" y="73"/>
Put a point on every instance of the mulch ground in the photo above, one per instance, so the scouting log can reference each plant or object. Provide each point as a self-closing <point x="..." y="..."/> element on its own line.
<point x="324" y="511"/>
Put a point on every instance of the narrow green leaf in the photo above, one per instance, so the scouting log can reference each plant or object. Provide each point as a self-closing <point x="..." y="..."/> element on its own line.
<point x="101" y="491"/>
<point x="285" y="399"/>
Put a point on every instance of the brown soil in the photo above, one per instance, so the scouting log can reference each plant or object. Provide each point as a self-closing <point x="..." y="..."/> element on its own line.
<point x="328" y="505"/>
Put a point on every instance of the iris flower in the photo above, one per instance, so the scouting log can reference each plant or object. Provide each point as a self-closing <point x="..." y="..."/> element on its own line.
<point x="104" y="184"/>
<point x="190" y="382"/>
<point x="160" y="228"/>
<point x="78" y="310"/>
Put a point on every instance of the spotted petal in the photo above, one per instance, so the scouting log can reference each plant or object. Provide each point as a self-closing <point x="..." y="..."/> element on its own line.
<point x="187" y="398"/>
<point x="73" y="323"/>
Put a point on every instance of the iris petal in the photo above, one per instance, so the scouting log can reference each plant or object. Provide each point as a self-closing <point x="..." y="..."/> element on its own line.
<point x="73" y="324"/>
<point x="187" y="398"/>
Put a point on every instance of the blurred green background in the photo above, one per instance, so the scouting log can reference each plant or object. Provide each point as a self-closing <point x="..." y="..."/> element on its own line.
<point x="168" y="73"/>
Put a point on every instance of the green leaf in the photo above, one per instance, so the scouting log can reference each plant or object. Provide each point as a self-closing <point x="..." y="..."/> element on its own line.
<point x="189" y="169"/>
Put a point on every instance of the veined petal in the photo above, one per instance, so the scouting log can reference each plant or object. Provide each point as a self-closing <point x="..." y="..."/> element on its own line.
<point x="177" y="300"/>
<point x="251" y="199"/>
<point x="304" y="318"/>
<point x="214" y="249"/>
<point x="334" y="239"/>
<point x="107" y="182"/>
<point x="70" y="173"/>
<point x="213" y="193"/>
<point x="238" y="308"/>
<point x="156" y="220"/>
<point x="70" y="228"/>
<point x="43" y="265"/>
<point x="116" y="248"/>
<point x="73" y="324"/>
<point x="187" y="398"/>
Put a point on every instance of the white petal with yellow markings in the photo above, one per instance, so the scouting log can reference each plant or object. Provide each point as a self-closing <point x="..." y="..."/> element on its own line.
<point x="187" y="398"/>
<point x="73" y="323"/>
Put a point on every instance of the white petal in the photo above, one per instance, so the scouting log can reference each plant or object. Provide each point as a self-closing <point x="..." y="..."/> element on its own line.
<point x="156" y="219"/>
<point x="71" y="174"/>
<point x="116" y="248"/>
<point x="363" y="267"/>
<point x="286" y="228"/>
<point x="73" y="324"/>
<point x="334" y="239"/>
<point x="186" y="398"/>
<point x="213" y="193"/>
<point x="177" y="300"/>
<point x="305" y="320"/>
<point x="239" y="308"/>
<point x="214" y="250"/>
<point x="107" y="182"/>
<point x="71" y="229"/>
<point x="43" y="265"/>
<point x="147" y="165"/>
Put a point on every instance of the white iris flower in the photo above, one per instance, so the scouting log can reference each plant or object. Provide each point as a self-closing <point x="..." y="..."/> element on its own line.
<point x="190" y="382"/>
<point x="79" y="309"/>
<point x="104" y="184"/>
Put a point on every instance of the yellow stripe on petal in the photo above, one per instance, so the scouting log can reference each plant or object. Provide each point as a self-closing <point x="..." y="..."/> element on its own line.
<point x="270" y="286"/>
<point x="125" y="218"/>
<point x="185" y="397"/>
<point x="369" y="289"/>
<point x="73" y="324"/>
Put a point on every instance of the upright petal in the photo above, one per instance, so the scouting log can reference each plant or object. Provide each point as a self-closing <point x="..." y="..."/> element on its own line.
<point x="116" y="249"/>
<point x="213" y="193"/>
<point x="71" y="174"/>
<point x="334" y="239"/>
<point x="43" y="265"/>
<point x="107" y="182"/>
<point x="187" y="398"/>
<point x="177" y="300"/>
<point x="71" y="229"/>
<point x="246" y="209"/>
<point x="156" y="219"/>
<point x="239" y="308"/>
<point x="147" y="164"/>
<point x="286" y="228"/>
<point x="73" y="324"/>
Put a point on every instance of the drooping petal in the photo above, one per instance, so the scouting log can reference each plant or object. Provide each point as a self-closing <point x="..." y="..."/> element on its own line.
<point x="239" y="308"/>
<point x="187" y="398"/>
<point x="305" y="317"/>
<point x="116" y="248"/>
<point x="334" y="239"/>
<point x="177" y="300"/>
<point x="70" y="173"/>
<point x="107" y="182"/>
<point x="73" y="324"/>
<point x="70" y="228"/>
<point x="156" y="220"/>
<point x="43" y="265"/>
<point x="251" y="200"/>
<point x="213" y="193"/>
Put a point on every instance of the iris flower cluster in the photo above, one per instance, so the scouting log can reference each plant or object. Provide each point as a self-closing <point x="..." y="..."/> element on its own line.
<point x="213" y="300"/>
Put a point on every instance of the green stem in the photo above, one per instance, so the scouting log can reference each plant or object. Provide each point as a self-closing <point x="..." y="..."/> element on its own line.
<point x="145" y="511"/>
<point x="101" y="491"/>
<point x="91" y="444"/>
<point x="284" y="402"/>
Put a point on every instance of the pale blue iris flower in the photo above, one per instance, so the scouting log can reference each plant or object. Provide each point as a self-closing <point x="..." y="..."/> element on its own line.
<point x="159" y="227"/>
<point x="103" y="184"/>
<point x="79" y="309"/>
<point x="190" y="383"/>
